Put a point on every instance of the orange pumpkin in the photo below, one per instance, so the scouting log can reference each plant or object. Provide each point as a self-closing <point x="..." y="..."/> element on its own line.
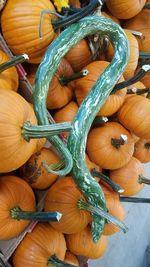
<point x="124" y="9"/>
<point x="82" y="244"/>
<point x="14" y="193"/>
<point x="9" y="78"/>
<point x="71" y="258"/>
<point x="102" y="149"/>
<point x="142" y="150"/>
<point x="74" y="3"/>
<point x="58" y="95"/>
<point x="34" y="171"/>
<point x="38" y="246"/>
<point x="128" y="177"/>
<point x="141" y="23"/>
<point x="25" y="38"/>
<point x="63" y="196"/>
<point x="134" y="114"/>
<point x="85" y="84"/>
<point x="79" y="56"/>
<point x="110" y="16"/>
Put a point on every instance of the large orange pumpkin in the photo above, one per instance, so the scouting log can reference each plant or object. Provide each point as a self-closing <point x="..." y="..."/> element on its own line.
<point x="102" y="149"/>
<point x="38" y="246"/>
<point x="20" y="23"/>
<point x="85" y="84"/>
<point x="14" y="193"/>
<point x="142" y="150"/>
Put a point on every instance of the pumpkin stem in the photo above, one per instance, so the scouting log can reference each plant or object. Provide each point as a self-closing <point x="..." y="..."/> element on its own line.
<point x="107" y="180"/>
<point x="140" y="74"/>
<point x="53" y="167"/>
<point x="99" y="120"/>
<point x="147" y="145"/>
<point x="134" y="90"/>
<point x="135" y="199"/>
<point x="17" y="214"/>
<point x="147" y="6"/>
<point x="143" y="180"/>
<point x="148" y="95"/>
<point x="136" y="33"/>
<point x="144" y="55"/>
<point x="120" y="141"/>
<point x="99" y="211"/>
<point x="30" y="131"/>
<point x="54" y="261"/>
<point x="65" y="80"/>
<point x="12" y="62"/>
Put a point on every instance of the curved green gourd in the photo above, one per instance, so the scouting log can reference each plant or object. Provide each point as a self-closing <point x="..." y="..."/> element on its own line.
<point x="92" y="103"/>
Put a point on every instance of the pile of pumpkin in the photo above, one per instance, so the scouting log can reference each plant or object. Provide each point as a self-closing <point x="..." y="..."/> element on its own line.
<point x="118" y="142"/>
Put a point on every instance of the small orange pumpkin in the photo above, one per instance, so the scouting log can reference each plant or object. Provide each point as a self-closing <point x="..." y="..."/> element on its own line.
<point x="71" y="258"/>
<point x="74" y="3"/>
<point x="142" y="150"/>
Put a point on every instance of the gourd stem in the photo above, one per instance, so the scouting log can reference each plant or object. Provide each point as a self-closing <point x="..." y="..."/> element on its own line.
<point x="147" y="6"/>
<point x="65" y="80"/>
<point x="134" y="199"/>
<point x="30" y="131"/>
<point x="65" y="22"/>
<point x="54" y="261"/>
<point x="147" y="145"/>
<point x="99" y="120"/>
<point x="143" y="180"/>
<point x="137" y="91"/>
<point x="18" y="214"/>
<point x="99" y="211"/>
<point x="12" y="62"/>
<point x="141" y="73"/>
<point x="107" y="180"/>
<point x="145" y="55"/>
<point x="120" y="141"/>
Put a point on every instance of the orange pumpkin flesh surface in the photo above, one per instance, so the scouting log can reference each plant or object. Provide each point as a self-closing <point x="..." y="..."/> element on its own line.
<point x="63" y="196"/>
<point x="9" y="78"/>
<point x="124" y="9"/>
<point x="134" y="114"/>
<point x="110" y="16"/>
<point x="82" y="244"/>
<point x="34" y="171"/>
<point x="79" y="56"/>
<point x="127" y="177"/>
<point x="58" y="95"/>
<point x="85" y="84"/>
<point x="141" y="23"/>
<point x="71" y="258"/>
<point x="38" y="246"/>
<point x="20" y="22"/>
<point x="101" y="151"/>
<point x="14" y="149"/>
<point x="14" y="192"/>
<point x="142" y="150"/>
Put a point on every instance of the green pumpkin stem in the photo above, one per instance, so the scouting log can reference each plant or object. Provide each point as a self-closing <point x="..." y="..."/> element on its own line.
<point x="107" y="180"/>
<point x="99" y="120"/>
<point x="147" y="145"/>
<point x="12" y="62"/>
<point x="136" y="33"/>
<point x="54" y="261"/>
<point x="147" y="6"/>
<point x="143" y="180"/>
<point x="30" y="131"/>
<point x="144" y="55"/>
<point x="65" y="80"/>
<point x="17" y="214"/>
<point x="83" y="205"/>
<point x="148" y="95"/>
<point x="134" y="199"/>
<point x="120" y="141"/>
<point x="137" y="91"/>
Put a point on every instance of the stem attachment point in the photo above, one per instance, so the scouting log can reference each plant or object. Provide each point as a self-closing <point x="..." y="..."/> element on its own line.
<point x="119" y="142"/>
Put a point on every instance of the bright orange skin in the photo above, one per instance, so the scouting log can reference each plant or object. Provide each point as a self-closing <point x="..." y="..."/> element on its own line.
<point x="14" y="112"/>
<point x="127" y="177"/>
<point x="102" y="152"/>
<point x="71" y="258"/>
<point x="20" y="22"/>
<point x="141" y="152"/>
<point x="63" y="197"/>
<point x="38" y="246"/>
<point x="14" y="192"/>
<point x="82" y="244"/>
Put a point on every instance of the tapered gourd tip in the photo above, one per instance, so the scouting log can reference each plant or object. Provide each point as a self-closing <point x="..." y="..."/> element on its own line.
<point x="58" y="216"/>
<point x="25" y="56"/>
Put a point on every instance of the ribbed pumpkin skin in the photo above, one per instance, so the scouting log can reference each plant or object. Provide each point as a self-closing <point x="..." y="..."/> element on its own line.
<point x="82" y="244"/>
<point x="20" y="26"/>
<point x="124" y="9"/>
<point x="127" y="177"/>
<point x="85" y="84"/>
<point x="141" y="23"/>
<point x="38" y="246"/>
<point x="34" y="171"/>
<point x="141" y="152"/>
<point x="63" y="197"/>
<point x="102" y="152"/>
<point x="14" y="192"/>
<point x="58" y="95"/>
<point x="14" y="112"/>
<point x="110" y="16"/>
<point x="134" y="114"/>
<point x="71" y="258"/>
<point x="79" y="56"/>
<point x="9" y="78"/>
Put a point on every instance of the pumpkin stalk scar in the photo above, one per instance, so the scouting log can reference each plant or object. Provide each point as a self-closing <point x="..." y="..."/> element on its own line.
<point x="14" y="61"/>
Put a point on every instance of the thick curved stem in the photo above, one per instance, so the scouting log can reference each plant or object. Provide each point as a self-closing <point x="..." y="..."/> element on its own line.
<point x="143" y="180"/>
<point x="107" y="180"/>
<point x="12" y="62"/>
<point x="134" y="199"/>
<point x="120" y="141"/>
<point x="54" y="261"/>
<point x="65" y="80"/>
